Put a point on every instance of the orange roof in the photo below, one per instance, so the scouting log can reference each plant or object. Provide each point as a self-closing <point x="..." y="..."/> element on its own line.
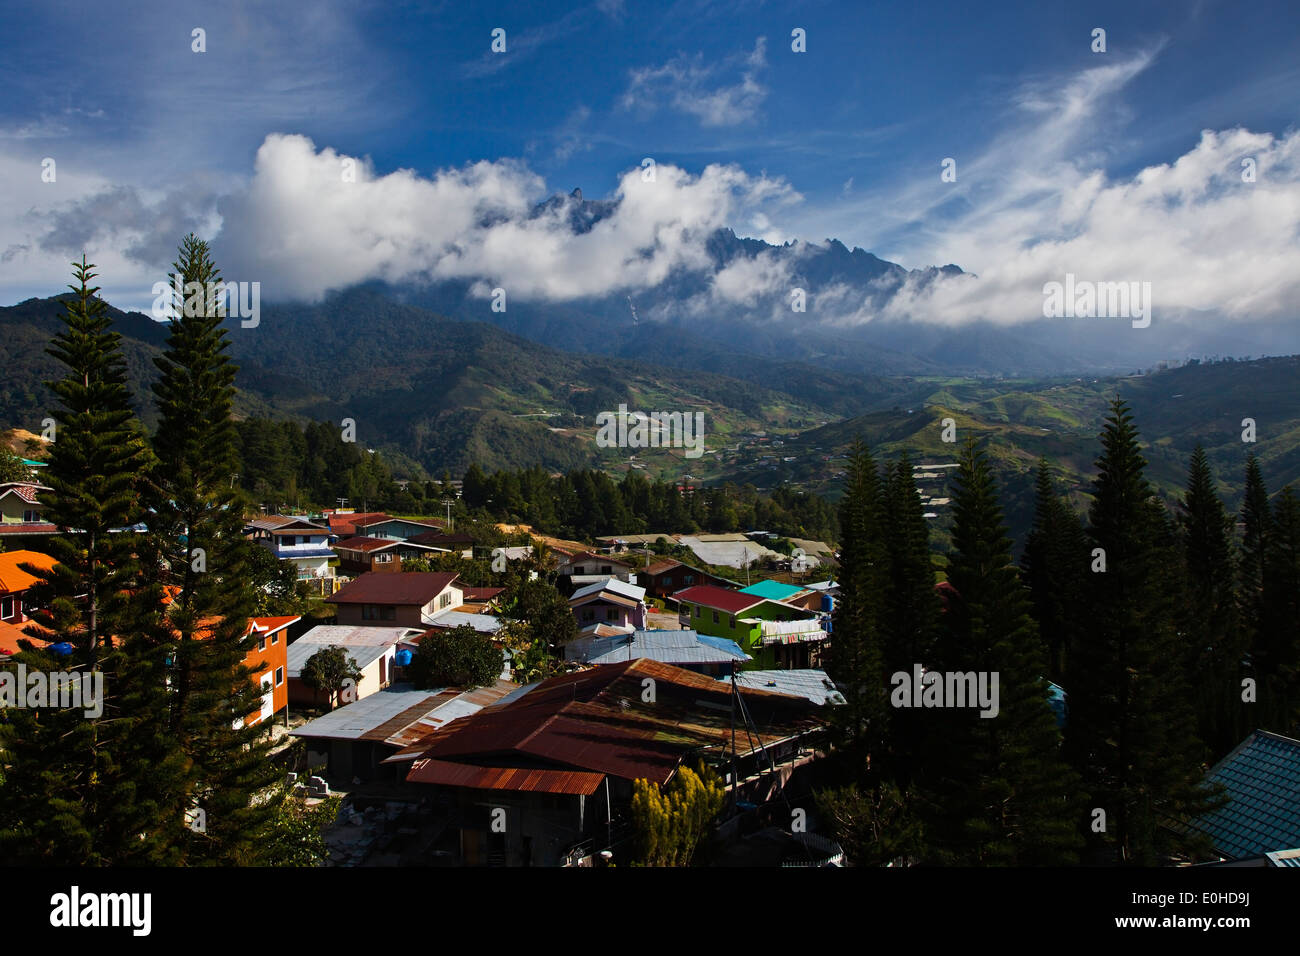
<point x="9" y="637"/>
<point x="12" y="577"/>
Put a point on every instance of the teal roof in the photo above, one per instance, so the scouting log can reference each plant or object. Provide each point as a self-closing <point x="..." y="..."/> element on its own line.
<point x="772" y="590"/>
<point x="1262" y="780"/>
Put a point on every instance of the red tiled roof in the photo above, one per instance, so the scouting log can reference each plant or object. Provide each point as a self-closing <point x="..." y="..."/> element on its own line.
<point x="707" y="595"/>
<point x="406" y="587"/>
<point x="659" y="567"/>
<point x="25" y="490"/>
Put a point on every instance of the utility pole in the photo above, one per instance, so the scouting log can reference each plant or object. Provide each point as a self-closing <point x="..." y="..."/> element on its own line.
<point x="447" y="502"/>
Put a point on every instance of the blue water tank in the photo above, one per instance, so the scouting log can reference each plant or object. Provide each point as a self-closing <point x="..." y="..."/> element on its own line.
<point x="403" y="656"/>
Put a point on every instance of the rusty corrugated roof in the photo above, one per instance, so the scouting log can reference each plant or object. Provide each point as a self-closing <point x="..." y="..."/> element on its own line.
<point x="530" y="780"/>
<point x="599" y="720"/>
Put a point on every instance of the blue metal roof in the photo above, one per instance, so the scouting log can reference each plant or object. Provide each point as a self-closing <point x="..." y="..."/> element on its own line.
<point x="1262" y="780"/>
<point x="772" y="590"/>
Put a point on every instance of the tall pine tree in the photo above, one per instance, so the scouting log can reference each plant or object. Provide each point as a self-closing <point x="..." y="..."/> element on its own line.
<point x="197" y="529"/>
<point x="1131" y="731"/>
<point x="1278" y="646"/>
<point x="1000" y="792"/>
<point x="91" y="789"/>
<point x="1054" y="565"/>
<point x="856" y="658"/>
<point x="909" y="607"/>
<point x="1210" y="624"/>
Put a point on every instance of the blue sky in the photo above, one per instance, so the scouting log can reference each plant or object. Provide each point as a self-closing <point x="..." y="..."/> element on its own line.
<point x="844" y="140"/>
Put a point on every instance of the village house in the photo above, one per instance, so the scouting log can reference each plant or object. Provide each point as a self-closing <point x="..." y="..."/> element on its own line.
<point x="793" y="594"/>
<point x="357" y="740"/>
<point x="685" y="649"/>
<point x="21" y="512"/>
<point x="555" y="762"/>
<point x="302" y="543"/>
<point x="267" y="660"/>
<point x="663" y="579"/>
<point x="357" y="555"/>
<point x="371" y="649"/>
<point x="386" y="526"/>
<point x="411" y="599"/>
<point x="773" y="633"/>
<point x="611" y="602"/>
<point x="343" y="524"/>
<point x="587" y="568"/>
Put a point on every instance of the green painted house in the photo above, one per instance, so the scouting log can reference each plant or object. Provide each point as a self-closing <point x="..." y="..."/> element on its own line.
<point x="772" y="633"/>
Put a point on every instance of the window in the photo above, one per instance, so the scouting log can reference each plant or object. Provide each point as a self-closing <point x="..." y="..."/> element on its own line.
<point x="668" y="581"/>
<point x="688" y="580"/>
<point x="588" y="615"/>
<point x="31" y="516"/>
<point x="444" y="600"/>
<point x="7" y="608"/>
<point x="606" y="569"/>
<point x="715" y="617"/>
<point x="286" y="540"/>
<point x="279" y="676"/>
<point x="733" y="622"/>
<point x="388" y="613"/>
<point x="698" y="611"/>
<point x="383" y="558"/>
<point x="261" y="643"/>
<point x="275" y="638"/>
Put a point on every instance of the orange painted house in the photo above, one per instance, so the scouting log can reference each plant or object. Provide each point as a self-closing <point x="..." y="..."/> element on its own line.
<point x="268" y="661"/>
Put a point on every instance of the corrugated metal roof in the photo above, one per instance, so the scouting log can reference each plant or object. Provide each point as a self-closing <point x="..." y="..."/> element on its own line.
<point x="408" y="587"/>
<point x="773" y="590"/>
<point x="483" y="623"/>
<point x="706" y="595"/>
<point x="1284" y="858"/>
<point x="670" y="647"/>
<point x="1262" y="780"/>
<point x="632" y="592"/>
<point x="598" y="720"/>
<point x="363" y="655"/>
<point x="355" y="720"/>
<point x="527" y="780"/>
<point x="813" y="684"/>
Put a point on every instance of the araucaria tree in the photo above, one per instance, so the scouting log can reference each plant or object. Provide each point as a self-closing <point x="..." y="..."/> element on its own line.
<point x="1131" y="731"/>
<point x="1213" y="638"/>
<point x="196" y="528"/>
<point x="999" y="791"/>
<point x="860" y="728"/>
<point x="87" y="788"/>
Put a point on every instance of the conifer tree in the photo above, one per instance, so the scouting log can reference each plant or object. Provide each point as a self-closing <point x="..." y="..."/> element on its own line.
<point x="910" y="606"/>
<point x="1256" y="521"/>
<point x="1213" y="639"/>
<point x="1054" y="563"/>
<point x="197" y="530"/>
<point x="1131" y="732"/>
<point x="1278" y="647"/>
<point x="856" y="657"/>
<point x="1001" y="794"/>
<point x="86" y="788"/>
